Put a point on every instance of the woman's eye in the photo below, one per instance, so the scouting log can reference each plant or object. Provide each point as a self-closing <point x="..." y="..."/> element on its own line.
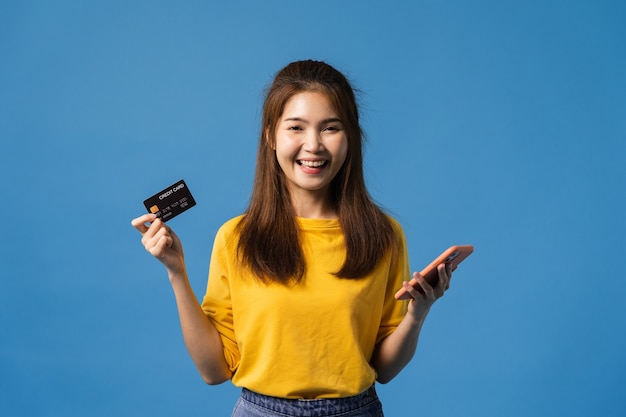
<point x="331" y="129"/>
<point x="294" y="128"/>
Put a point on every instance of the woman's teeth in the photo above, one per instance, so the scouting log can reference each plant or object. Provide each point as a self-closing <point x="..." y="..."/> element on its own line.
<point x="312" y="164"/>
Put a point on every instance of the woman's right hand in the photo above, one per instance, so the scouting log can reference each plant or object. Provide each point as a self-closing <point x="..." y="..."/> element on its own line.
<point x="161" y="241"/>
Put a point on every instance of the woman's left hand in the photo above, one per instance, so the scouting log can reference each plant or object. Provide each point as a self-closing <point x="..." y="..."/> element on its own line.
<point x="422" y="301"/>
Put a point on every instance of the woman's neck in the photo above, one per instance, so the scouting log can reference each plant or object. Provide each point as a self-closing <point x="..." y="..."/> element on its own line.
<point x="313" y="206"/>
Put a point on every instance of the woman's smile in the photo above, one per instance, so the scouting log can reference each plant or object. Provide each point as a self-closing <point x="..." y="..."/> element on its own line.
<point x="312" y="166"/>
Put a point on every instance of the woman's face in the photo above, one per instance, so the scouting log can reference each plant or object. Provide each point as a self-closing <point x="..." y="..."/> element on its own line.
<point x="311" y="145"/>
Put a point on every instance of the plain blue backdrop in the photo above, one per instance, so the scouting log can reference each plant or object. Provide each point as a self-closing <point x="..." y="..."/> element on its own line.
<point x="495" y="123"/>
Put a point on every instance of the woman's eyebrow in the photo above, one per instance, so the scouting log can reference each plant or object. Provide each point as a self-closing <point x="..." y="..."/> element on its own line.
<point x="300" y="119"/>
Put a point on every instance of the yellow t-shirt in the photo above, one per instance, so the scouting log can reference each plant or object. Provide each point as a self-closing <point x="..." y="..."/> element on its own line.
<point x="308" y="340"/>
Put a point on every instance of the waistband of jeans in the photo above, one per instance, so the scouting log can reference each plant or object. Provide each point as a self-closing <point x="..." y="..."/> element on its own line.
<point x="314" y="407"/>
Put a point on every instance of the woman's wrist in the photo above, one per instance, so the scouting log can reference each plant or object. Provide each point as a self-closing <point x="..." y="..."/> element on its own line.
<point x="416" y="320"/>
<point x="177" y="275"/>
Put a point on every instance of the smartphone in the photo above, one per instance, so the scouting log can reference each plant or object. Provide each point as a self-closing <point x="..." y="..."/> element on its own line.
<point x="454" y="255"/>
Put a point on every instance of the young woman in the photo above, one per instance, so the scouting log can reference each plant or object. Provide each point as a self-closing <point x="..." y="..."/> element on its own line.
<point x="299" y="309"/>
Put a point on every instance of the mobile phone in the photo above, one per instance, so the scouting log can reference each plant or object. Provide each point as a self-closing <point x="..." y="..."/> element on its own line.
<point x="453" y="256"/>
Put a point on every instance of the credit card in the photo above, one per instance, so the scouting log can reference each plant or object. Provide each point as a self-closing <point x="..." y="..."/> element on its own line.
<point x="170" y="202"/>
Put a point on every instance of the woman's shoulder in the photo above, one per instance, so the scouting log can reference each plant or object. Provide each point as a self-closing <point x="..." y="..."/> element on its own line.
<point x="395" y="224"/>
<point x="230" y="226"/>
<point x="227" y="233"/>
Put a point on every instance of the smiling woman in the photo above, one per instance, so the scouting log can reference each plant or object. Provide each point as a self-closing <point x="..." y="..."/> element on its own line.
<point x="300" y="298"/>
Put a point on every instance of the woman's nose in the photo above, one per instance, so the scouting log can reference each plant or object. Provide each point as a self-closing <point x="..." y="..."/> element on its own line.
<point x="313" y="142"/>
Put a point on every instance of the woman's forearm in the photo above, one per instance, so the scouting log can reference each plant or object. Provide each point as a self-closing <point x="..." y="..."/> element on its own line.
<point x="395" y="351"/>
<point x="199" y="334"/>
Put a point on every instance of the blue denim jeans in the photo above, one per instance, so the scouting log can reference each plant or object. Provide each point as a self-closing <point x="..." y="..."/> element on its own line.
<point x="251" y="404"/>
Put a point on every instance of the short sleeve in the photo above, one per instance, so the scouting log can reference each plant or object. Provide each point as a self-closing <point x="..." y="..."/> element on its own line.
<point x="399" y="271"/>
<point x="217" y="304"/>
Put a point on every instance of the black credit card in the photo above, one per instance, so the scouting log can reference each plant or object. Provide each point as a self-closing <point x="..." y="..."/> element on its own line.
<point x="170" y="202"/>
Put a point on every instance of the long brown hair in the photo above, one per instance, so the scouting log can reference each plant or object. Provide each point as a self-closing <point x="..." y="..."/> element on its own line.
<point x="269" y="239"/>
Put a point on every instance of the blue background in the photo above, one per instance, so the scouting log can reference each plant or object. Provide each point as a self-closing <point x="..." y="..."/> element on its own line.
<point x="496" y="123"/>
